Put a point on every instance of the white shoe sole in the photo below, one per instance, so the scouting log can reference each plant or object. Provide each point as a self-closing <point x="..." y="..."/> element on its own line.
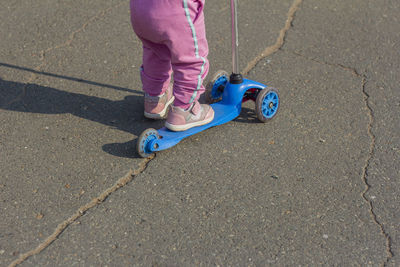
<point x="162" y="114"/>
<point x="180" y="128"/>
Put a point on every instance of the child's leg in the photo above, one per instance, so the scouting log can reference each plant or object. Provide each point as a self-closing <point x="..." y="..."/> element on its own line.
<point x="156" y="65"/>
<point x="156" y="76"/>
<point x="156" y="68"/>
<point x="179" y="25"/>
<point x="189" y="51"/>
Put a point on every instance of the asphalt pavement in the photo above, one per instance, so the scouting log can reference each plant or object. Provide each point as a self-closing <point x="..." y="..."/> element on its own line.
<point x="318" y="185"/>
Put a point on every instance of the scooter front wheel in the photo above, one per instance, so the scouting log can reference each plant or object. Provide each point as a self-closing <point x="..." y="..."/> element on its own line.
<point x="144" y="142"/>
<point x="267" y="104"/>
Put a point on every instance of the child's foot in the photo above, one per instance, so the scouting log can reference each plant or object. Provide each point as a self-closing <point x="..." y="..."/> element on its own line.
<point x="156" y="107"/>
<point x="182" y="120"/>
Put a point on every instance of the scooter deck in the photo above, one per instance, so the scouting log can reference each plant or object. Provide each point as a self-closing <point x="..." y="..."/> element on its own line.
<point x="222" y="114"/>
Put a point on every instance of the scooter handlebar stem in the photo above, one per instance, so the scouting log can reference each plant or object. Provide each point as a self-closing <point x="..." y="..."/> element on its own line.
<point x="235" y="37"/>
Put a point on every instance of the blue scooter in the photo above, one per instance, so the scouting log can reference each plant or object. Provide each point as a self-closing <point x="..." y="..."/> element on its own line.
<point x="226" y="93"/>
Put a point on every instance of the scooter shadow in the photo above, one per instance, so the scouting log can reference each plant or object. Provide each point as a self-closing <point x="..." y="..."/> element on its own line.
<point x="247" y="115"/>
<point x="125" y="115"/>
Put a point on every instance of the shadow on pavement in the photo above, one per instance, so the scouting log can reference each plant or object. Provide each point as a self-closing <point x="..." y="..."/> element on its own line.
<point x="68" y="78"/>
<point x="125" y="115"/>
<point x="247" y="115"/>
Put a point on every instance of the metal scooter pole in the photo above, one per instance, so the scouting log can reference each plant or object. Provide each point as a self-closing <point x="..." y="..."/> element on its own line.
<point x="236" y="77"/>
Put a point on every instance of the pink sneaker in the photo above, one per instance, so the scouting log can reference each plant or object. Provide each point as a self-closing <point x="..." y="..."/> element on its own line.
<point x="156" y="107"/>
<point x="182" y="120"/>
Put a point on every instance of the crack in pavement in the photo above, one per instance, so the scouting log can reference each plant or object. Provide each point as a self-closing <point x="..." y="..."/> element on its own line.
<point x="102" y="197"/>
<point x="82" y="210"/>
<point x="352" y="70"/>
<point x="280" y="40"/>
<point x="389" y="251"/>
<point x="142" y="166"/>
<point x="82" y="28"/>
<point x="366" y="97"/>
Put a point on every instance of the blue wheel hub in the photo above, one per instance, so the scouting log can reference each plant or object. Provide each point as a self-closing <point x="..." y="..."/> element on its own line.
<point x="270" y="104"/>
<point x="216" y="91"/>
<point x="146" y="142"/>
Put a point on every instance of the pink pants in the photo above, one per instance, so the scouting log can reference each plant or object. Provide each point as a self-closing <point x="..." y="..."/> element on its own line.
<point x="174" y="40"/>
